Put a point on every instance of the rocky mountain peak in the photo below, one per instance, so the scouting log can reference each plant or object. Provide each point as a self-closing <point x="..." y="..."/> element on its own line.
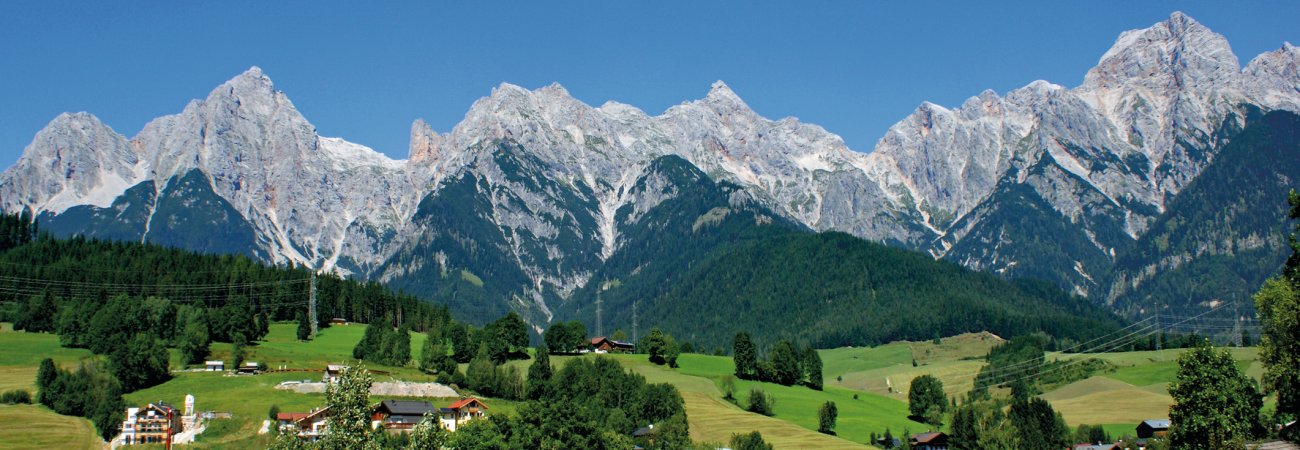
<point x="1174" y="54"/>
<point x="425" y="143"/>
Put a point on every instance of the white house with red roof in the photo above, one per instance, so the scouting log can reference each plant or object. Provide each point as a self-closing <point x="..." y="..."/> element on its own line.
<point x="464" y="410"/>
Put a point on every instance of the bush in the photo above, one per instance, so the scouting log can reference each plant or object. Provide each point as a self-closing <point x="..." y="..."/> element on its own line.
<point x="16" y="396"/>
<point x="760" y="402"/>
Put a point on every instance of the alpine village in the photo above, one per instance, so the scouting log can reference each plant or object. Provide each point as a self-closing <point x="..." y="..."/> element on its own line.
<point x="1114" y="265"/>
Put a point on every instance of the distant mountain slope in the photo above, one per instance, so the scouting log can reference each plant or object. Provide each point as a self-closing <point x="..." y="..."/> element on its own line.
<point x="710" y="262"/>
<point x="1224" y="234"/>
<point x="832" y="289"/>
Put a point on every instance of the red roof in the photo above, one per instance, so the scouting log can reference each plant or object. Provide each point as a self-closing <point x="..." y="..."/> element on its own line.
<point x="290" y="416"/>
<point x="466" y="401"/>
<point x="597" y="340"/>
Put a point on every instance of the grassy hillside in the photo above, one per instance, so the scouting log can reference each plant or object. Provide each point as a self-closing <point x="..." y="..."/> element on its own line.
<point x="1134" y="390"/>
<point x="35" y="427"/>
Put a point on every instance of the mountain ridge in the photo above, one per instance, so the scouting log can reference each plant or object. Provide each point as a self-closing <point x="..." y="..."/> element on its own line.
<point x="1105" y="157"/>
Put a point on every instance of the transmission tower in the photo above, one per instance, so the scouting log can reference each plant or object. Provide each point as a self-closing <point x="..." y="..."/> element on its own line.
<point x="311" y="306"/>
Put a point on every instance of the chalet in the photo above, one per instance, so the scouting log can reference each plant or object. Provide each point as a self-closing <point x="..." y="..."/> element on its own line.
<point x="287" y="421"/>
<point x="464" y="410"/>
<point x="930" y="441"/>
<point x="250" y="368"/>
<point x="153" y="424"/>
<point x="338" y="321"/>
<point x="606" y="345"/>
<point x="313" y="425"/>
<point x="1153" y="428"/>
<point x="333" y="372"/>
<point x="214" y="366"/>
<point x="400" y="415"/>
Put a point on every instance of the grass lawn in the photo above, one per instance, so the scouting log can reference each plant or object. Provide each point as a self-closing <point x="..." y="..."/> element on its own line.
<point x="21" y="354"/>
<point x="35" y="427"/>
<point x="699" y="380"/>
<point x="888" y="369"/>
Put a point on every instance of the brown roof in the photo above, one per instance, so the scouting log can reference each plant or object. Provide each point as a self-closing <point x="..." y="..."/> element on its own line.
<point x="291" y="416"/>
<point x="929" y="438"/>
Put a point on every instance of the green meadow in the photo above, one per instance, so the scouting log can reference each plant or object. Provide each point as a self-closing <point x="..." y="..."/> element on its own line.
<point x="868" y="385"/>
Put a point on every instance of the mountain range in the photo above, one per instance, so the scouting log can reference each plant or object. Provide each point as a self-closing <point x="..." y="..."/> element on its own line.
<point x="539" y="203"/>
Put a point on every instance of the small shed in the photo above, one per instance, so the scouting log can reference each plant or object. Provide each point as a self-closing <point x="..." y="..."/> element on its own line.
<point x="1153" y="428"/>
<point x="214" y="366"/>
<point x="338" y="321"/>
<point x="333" y="372"/>
<point x="249" y="368"/>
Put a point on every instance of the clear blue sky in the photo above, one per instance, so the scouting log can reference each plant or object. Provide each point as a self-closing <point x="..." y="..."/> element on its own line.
<point x="365" y="72"/>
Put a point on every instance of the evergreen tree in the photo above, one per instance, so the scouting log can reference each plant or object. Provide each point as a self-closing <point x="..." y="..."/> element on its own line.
<point x="458" y="338"/>
<point x="481" y="373"/>
<point x="304" y="327"/>
<point x="785" y="364"/>
<point x="38" y="314"/>
<point x="433" y="355"/>
<point x="745" y="356"/>
<point x="1216" y="406"/>
<point x="539" y="374"/>
<point x="46" y="375"/>
<point x="372" y="341"/>
<point x="826" y="416"/>
<point x="399" y="350"/>
<point x="812" y="365"/>
<point x="238" y="350"/>
<point x="1039" y="426"/>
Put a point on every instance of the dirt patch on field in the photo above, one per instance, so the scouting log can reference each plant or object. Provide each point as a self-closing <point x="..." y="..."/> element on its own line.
<point x="382" y="388"/>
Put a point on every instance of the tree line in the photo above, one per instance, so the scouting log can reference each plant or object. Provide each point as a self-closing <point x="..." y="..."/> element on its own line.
<point x="786" y="364"/>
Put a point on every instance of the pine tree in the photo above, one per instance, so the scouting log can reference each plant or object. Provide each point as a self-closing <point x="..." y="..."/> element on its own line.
<point x="46" y="375"/>
<point x="304" y="327"/>
<point x="745" y="357"/>
<point x="812" y="365"/>
<point x="539" y="374"/>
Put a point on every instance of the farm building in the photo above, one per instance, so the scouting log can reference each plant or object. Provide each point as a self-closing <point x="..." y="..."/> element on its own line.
<point x="400" y="415"/>
<point x="930" y="441"/>
<point x="1153" y="428"/>
<point x="606" y="345"/>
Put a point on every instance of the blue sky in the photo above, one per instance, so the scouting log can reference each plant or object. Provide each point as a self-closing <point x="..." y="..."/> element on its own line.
<point x="364" y="72"/>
